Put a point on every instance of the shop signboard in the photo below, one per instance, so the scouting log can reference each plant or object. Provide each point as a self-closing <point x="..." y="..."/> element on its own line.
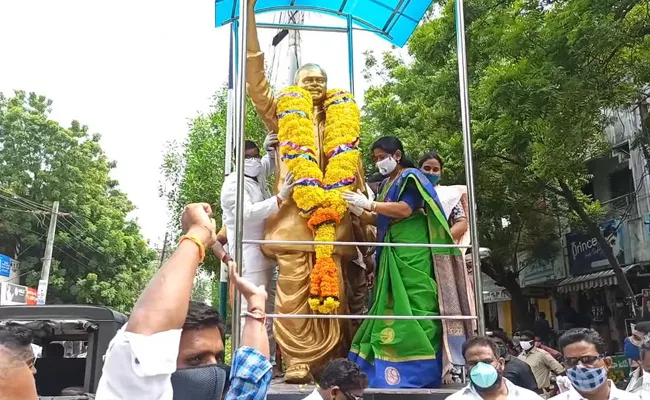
<point x="492" y="293"/>
<point x="620" y="369"/>
<point x="586" y="255"/>
<point x="12" y="294"/>
<point x="5" y="266"/>
<point x="533" y="271"/>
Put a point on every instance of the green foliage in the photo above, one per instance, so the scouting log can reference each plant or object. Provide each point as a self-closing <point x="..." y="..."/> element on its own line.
<point x="540" y="74"/>
<point x="194" y="170"/>
<point x="100" y="257"/>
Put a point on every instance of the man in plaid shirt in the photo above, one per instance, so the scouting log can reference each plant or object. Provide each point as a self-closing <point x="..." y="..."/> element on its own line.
<point x="141" y="362"/>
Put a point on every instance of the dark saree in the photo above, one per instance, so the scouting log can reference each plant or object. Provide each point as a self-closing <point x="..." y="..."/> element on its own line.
<point x="414" y="281"/>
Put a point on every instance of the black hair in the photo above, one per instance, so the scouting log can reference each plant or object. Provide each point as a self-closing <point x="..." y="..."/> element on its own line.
<point x="431" y="156"/>
<point x="587" y="335"/>
<point x="529" y="334"/>
<point x="542" y="315"/>
<point x="55" y="350"/>
<point x="643" y="326"/>
<point x="249" y="144"/>
<point x="17" y="339"/>
<point x="376" y="178"/>
<point x="390" y="144"/>
<point x="343" y="373"/>
<point x="201" y="316"/>
<point x="501" y="335"/>
<point x="482" y="341"/>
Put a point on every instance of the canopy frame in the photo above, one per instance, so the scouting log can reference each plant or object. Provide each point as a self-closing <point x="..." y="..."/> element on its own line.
<point x="239" y="39"/>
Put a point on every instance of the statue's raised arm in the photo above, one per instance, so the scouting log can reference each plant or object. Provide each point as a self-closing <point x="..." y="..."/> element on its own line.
<point x="257" y="85"/>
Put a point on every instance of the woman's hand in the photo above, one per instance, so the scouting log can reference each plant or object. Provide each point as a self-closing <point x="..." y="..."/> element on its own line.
<point x="357" y="200"/>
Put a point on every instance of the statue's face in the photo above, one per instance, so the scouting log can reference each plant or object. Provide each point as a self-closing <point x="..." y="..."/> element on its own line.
<point x="313" y="81"/>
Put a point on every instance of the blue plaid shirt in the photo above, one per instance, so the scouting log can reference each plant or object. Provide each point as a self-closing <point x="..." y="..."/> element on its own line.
<point x="250" y="375"/>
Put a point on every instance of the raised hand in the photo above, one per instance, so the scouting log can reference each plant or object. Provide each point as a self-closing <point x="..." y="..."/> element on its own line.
<point x="196" y="221"/>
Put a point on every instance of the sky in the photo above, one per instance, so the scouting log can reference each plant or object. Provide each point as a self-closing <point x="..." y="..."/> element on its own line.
<point x="136" y="71"/>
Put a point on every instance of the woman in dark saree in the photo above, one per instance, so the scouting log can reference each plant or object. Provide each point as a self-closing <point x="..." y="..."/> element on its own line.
<point x="412" y="281"/>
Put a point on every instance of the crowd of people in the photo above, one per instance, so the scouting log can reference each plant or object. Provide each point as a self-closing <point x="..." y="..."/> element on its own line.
<point x="172" y="347"/>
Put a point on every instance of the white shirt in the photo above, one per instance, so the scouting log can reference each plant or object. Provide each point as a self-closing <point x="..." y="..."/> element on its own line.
<point x="258" y="205"/>
<point x="314" y="396"/>
<point x="614" y="394"/>
<point x="139" y="366"/>
<point x="514" y="393"/>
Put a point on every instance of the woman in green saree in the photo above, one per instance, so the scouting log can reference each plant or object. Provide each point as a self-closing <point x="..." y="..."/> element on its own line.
<point x="411" y="281"/>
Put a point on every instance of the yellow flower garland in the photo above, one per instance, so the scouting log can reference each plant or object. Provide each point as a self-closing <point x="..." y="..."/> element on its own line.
<point x="318" y="196"/>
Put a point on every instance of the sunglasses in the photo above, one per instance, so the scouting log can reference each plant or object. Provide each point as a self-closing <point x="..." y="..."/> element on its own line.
<point x="350" y="396"/>
<point x="589" y="361"/>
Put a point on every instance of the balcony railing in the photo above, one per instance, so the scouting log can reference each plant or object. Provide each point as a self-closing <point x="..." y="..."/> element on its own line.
<point x="625" y="205"/>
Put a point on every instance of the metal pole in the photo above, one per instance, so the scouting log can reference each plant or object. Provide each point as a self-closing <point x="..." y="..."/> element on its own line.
<point x="47" y="258"/>
<point x="378" y="244"/>
<point x="469" y="161"/>
<point x="240" y="125"/>
<point x="223" y="270"/>
<point x="382" y="317"/>
<point x="350" y="54"/>
<point x="299" y="27"/>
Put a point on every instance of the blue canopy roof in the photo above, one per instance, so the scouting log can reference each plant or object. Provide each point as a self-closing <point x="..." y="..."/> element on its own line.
<point x="393" y="20"/>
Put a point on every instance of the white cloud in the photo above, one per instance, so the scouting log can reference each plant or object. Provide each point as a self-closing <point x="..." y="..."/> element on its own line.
<point x="135" y="71"/>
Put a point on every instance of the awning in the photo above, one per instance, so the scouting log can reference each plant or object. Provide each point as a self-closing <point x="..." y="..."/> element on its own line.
<point x="393" y="20"/>
<point x="590" y="281"/>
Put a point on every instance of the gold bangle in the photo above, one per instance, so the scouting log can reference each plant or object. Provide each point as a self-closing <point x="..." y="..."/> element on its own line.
<point x="197" y="242"/>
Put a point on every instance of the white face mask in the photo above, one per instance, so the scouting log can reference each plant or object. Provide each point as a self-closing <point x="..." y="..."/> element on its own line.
<point x="387" y="165"/>
<point x="526" y="345"/>
<point x="252" y="167"/>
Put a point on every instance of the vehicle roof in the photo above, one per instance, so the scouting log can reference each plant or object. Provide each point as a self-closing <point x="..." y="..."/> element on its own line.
<point x="62" y="312"/>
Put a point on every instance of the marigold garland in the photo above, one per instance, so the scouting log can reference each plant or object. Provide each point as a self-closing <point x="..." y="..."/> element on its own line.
<point x="318" y="195"/>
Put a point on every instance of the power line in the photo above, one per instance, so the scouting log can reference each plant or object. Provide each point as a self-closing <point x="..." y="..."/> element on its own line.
<point x="33" y="203"/>
<point x="74" y="258"/>
<point x="78" y="238"/>
<point x="21" y="227"/>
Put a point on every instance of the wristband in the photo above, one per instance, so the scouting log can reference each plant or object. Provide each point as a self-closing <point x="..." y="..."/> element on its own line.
<point x="257" y="313"/>
<point x="197" y="242"/>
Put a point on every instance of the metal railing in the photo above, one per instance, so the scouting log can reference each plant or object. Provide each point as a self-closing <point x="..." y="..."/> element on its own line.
<point x="239" y="121"/>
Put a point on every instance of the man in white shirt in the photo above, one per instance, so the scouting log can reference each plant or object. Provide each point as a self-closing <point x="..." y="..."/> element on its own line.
<point x="640" y="378"/>
<point x="258" y="206"/>
<point x="147" y="358"/>
<point x="587" y="365"/>
<point x="485" y="369"/>
<point x="341" y="379"/>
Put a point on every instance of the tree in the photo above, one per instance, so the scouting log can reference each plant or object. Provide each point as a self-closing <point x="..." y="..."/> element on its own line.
<point x="541" y="75"/>
<point x="194" y="170"/>
<point x="100" y="257"/>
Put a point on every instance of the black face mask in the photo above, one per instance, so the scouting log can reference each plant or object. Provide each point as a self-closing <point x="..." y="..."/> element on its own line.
<point x="200" y="383"/>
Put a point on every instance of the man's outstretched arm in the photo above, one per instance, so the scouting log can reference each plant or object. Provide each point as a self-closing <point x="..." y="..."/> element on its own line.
<point x="163" y="304"/>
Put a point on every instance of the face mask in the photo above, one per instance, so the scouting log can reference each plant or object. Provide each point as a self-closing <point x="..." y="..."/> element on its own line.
<point x="587" y="379"/>
<point x="252" y="167"/>
<point x="483" y="376"/>
<point x="502" y="351"/>
<point x="386" y="166"/>
<point x="631" y="350"/>
<point x="526" y="345"/>
<point x="199" y="383"/>
<point x="433" y="178"/>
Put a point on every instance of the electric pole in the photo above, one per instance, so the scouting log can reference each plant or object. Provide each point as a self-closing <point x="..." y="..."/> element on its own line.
<point x="47" y="258"/>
